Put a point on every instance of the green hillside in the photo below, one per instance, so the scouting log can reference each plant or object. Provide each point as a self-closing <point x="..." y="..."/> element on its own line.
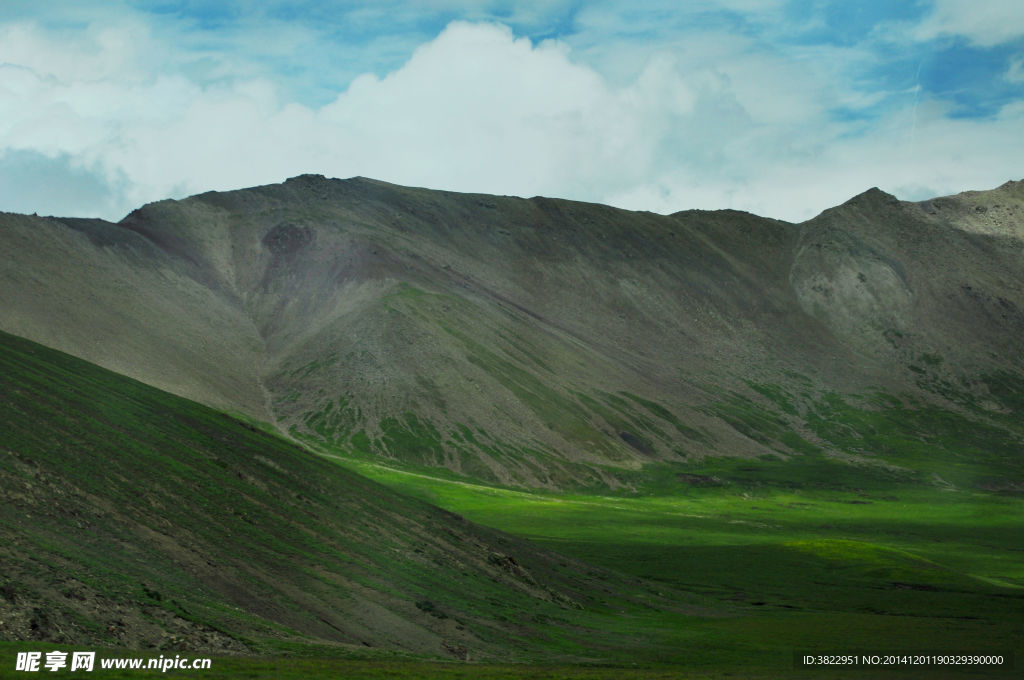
<point x="136" y="519"/>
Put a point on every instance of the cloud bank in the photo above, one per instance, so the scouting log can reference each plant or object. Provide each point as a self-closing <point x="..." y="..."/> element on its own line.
<point x="100" y="118"/>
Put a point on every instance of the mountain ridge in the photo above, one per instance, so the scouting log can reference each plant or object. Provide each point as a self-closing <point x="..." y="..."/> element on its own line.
<point x="527" y="341"/>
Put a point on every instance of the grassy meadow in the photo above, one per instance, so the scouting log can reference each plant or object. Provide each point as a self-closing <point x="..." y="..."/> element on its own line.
<point x="916" y="568"/>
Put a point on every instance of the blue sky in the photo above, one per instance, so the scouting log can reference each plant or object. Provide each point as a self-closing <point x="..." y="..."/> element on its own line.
<point x="782" y="108"/>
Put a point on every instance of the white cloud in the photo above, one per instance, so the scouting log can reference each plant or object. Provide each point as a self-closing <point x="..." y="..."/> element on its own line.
<point x="983" y="22"/>
<point x="123" y="50"/>
<point x="715" y="121"/>
<point x="943" y="156"/>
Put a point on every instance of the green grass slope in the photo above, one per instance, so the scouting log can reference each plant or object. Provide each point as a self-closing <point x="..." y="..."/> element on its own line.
<point x="133" y="518"/>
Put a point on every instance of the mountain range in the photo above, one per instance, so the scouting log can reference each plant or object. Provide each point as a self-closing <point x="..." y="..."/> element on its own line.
<point x="533" y="342"/>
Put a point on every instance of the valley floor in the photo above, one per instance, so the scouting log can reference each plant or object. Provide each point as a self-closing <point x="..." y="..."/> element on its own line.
<point x="793" y="571"/>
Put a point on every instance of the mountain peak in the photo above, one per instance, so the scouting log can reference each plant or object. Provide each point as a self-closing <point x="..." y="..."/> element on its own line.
<point x="873" y="196"/>
<point x="315" y="179"/>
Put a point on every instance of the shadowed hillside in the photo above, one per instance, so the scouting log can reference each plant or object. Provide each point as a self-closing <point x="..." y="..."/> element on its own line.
<point x="132" y="518"/>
